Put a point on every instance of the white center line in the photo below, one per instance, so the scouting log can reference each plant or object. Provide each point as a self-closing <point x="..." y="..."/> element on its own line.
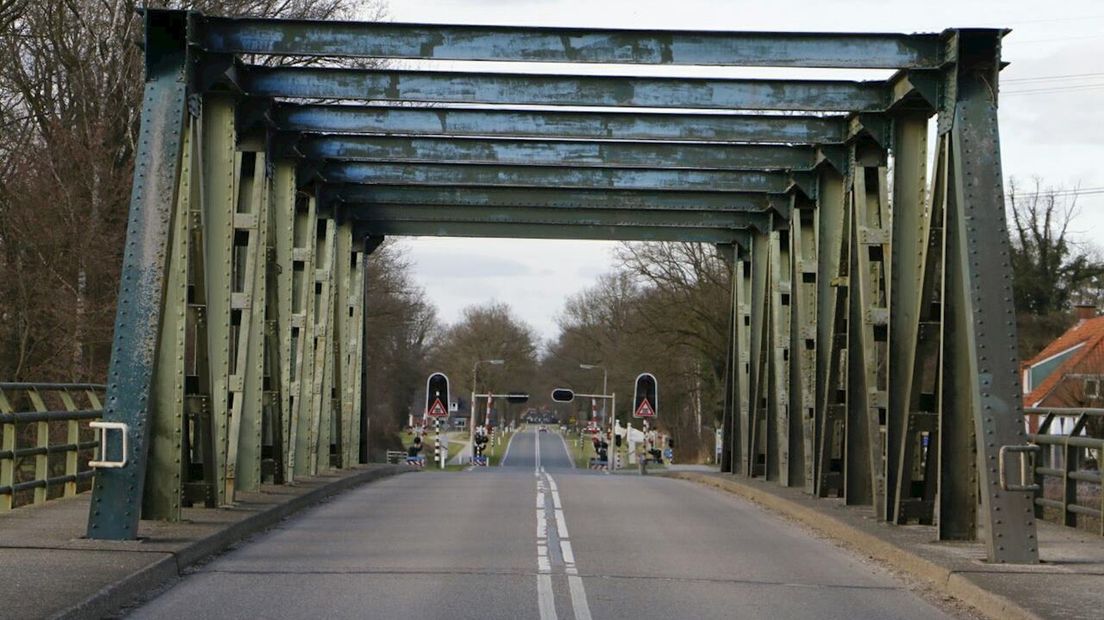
<point x="546" y="601"/>
<point x="575" y="583"/>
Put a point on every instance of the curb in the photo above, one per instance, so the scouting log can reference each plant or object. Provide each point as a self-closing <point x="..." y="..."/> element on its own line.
<point x="114" y="597"/>
<point x="943" y="579"/>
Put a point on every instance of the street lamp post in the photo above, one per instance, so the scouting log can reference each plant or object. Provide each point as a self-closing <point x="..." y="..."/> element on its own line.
<point x="471" y="403"/>
<point x="605" y="377"/>
<point x="610" y="419"/>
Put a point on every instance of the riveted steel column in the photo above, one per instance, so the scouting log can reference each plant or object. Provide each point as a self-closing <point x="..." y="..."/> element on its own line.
<point x="729" y="439"/>
<point x="743" y="359"/>
<point x="779" y="465"/>
<point x="833" y="259"/>
<point x="321" y="407"/>
<point x="982" y="341"/>
<point x="803" y="341"/>
<point x="869" y="323"/>
<point x="283" y="243"/>
<point x="342" y="285"/>
<point x="117" y="493"/>
<point x="302" y="322"/>
<point x="758" y="432"/>
<point x="913" y="324"/>
<point x="164" y="486"/>
<point x="221" y="165"/>
<point x="351" y="310"/>
<point x="355" y="363"/>
<point x="250" y="366"/>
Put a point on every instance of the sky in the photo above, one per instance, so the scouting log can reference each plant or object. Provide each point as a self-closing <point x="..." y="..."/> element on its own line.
<point x="1050" y="123"/>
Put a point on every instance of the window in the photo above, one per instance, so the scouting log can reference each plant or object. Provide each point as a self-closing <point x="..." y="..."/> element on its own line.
<point x="1092" y="388"/>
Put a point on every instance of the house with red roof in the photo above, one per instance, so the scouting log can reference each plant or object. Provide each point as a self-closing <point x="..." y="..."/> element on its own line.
<point x="1069" y="371"/>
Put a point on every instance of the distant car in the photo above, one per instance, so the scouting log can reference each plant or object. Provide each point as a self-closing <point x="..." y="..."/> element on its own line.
<point x="543" y="429"/>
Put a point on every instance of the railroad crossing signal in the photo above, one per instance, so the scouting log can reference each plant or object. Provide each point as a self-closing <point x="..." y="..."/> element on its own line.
<point x="437" y="394"/>
<point x="563" y="395"/>
<point x="646" y="396"/>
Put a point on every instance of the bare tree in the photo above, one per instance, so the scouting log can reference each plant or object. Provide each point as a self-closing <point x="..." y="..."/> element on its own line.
<point x="70" y="89"/>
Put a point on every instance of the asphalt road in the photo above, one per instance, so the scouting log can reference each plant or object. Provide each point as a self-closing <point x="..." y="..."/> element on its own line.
<point x="536" y="538"/>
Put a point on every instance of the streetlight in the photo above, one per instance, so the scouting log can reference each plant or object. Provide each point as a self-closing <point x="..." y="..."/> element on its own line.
<point x="471" y="421"/>
<point x="605" y="376"/>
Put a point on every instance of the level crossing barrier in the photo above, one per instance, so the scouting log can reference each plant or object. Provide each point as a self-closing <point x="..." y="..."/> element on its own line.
<point x="47" y="440"/>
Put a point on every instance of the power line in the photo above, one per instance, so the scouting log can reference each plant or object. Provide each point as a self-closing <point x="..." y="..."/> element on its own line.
<point x="1049" y="78"/>
<point x="1055" y="89"/>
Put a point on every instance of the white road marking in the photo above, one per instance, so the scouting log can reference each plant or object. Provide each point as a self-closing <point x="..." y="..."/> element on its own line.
<point x="561" y="525"/>
<point x="578" y="597"/>
<point x="536" y="459"/>
<point x="579" y="605"/>
<point x="506" y="454"/>
<point x="545" y="602"/>
<point x="565" y="549"/>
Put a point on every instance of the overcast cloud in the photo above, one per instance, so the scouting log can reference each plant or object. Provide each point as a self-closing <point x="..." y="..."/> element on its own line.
<point x="1049" y="128"/>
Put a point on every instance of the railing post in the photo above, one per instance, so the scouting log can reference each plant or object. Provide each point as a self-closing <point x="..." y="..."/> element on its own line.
<point x="7" y="465"/>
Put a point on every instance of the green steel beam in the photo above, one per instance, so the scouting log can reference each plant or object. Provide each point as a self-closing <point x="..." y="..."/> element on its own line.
<point x="161" y="499"/>
<point x="551" y="231"/>
<point x="245" y="35"/>
<point x="591" y="125"/>
<point x="575" y="153"/>
<point x="562" y="90"/>
<point x="566" y="177"/>
<point x="674" y="218"/>
<point x="542" y="197"/>
<point x="117" y="493"/>
<point x="979" y="308"/>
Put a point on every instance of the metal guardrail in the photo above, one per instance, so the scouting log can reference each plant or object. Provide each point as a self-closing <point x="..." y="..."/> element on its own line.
<point x="45" y="440"/>
<point x="1072" y="457"/>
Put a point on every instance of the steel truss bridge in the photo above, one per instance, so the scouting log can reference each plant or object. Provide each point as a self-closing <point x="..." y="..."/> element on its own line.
<point x="872" y="350"/>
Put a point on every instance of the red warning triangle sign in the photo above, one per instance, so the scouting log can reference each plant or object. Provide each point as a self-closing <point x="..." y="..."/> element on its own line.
<point x="438" y="410"/>
<point x="644" y="410"/>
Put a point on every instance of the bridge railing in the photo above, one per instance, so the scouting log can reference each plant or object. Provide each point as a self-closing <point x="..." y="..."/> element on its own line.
<point x="1068" y="481"/>
<point x="46" y="440"/>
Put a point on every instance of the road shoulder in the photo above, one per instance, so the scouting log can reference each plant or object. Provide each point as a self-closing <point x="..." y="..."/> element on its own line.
<point x="1072" y="561"/>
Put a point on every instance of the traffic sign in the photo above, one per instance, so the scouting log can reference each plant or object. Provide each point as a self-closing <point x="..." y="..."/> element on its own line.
<point x="646" y="396"/>
<point x="517" y="397"/>
<point x="437" y="410"/>
<point x="437" y="394"/>
<point x="563" y="395"/>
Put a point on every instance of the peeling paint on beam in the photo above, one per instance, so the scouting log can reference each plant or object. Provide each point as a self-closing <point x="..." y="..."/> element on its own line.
<point x="577" y="45"/>
<point x="459" y="122"/>
<point x="550" y="153"/>
<point x="556" y="90"/>
<point x="558" y="198"/>
<point x="481" y="175"/>
<point x="551" y="231"/>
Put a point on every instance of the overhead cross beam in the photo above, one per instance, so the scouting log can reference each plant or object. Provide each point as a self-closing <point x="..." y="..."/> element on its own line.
<point x="575" y="153"/>
<point x="562" y="90"/>
<point x="570" y="177"/>
<point x="225" y="35"/>
<point x="557" y="124"/>
<point x="567" y="199"/>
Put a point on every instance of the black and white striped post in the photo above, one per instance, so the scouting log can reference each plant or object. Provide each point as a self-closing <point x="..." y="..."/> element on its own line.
<point x="437" y="443"/>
